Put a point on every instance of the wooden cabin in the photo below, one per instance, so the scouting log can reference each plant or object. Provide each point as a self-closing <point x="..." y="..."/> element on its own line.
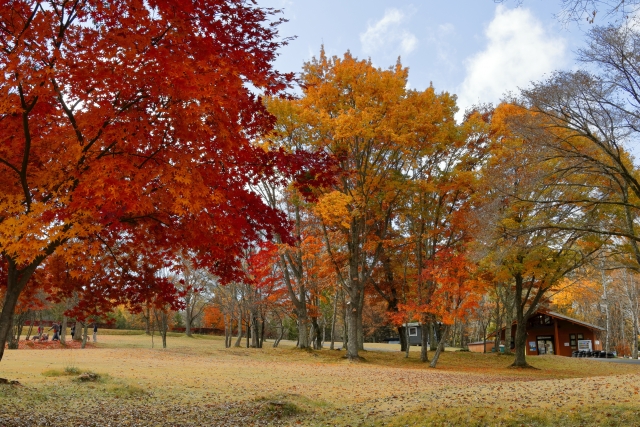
<point x="555" y="333"/>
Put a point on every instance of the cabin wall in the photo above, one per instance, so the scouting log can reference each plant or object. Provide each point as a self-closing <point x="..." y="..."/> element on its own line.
<point x="559" y="336"/>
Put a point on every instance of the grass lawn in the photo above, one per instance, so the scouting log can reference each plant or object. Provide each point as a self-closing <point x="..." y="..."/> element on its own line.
<point x="196" y="381"/>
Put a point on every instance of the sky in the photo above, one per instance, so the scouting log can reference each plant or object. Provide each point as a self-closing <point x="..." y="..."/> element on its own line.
<point x="476" y="49"/>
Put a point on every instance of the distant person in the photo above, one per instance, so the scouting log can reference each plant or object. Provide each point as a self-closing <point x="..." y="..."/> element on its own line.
<point x="56" y="329"/>
<point x="95" y="332"/>
<point x="73" y="330"/>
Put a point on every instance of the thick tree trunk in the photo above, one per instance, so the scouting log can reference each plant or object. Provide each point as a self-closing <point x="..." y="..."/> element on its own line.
<point x="433" y="342"/>
<point x="402" y="333"/>
<point x="63" y="330"/>
<point x="85" y="328"/>
<point x="240" y="334"/>
<point x="352" y="330"/>
<point x="521" y="344"/>
<point x="16" y="281"/>
<point x="77" y="332"/>
<point x="424" y="327"/>
<point x="13" y="341"/>
<point x="303" y="332"/>
<point x="317" y="342"/>
<point x="440" y="347"/>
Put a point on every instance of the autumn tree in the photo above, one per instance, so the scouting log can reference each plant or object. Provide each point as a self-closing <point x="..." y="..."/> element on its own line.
<point x="132" y="118"/>
<point x="367" y="119"/>
<point x="527" y="251"/>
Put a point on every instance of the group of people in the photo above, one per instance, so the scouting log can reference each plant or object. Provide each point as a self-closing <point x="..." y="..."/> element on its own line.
<point x="57" y="331"/>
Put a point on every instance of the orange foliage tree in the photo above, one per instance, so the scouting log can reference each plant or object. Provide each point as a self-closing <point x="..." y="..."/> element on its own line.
<point x="132" y="121"/>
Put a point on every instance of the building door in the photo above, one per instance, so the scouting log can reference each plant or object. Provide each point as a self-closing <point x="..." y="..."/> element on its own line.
<point x="545" y="345"/>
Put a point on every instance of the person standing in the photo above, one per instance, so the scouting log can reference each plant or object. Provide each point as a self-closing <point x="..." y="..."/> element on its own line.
<point x="95" y="332"/>
<point x="56" y="329"/>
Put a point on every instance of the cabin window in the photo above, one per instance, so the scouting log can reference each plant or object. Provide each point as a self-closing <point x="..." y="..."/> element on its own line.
<point x="573" y="341"/>
<point x="413" y="332"/>
<point x="580" y="337"/>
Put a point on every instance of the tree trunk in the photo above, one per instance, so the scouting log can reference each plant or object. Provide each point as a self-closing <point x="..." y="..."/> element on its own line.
<point x="424" y="327"/>
<point x="433" y="342"/>
<point x="521" y="344"/>
<point x="634" y="351"/>
<point x="262" y="327"/>
<point x="352" y="330"/>
<point x="254" y="331"/>
<point x="32" y="319"/>
<point x="85" y="328"/>
<point x="484" y="339"/>
<point x="147" y="320"/>
<point x="402" y="333"/>
<point x="408" y="340"/>
<point x="508" y="321"/>
<point x="440" y="347"/>
<point x="345" y="326"/>
<point x="333" y="320"/>
<point x="317" y="343"/>
<point x="63" y="330"/>
<point x="240" y="334"/>
<point x="16" y="281"/>
<point x="13" y="342"/>
<point x="77" y="332"/>
<point x="303" y="332"/>
<point x="359" y="321"/>
<point x="188" y="319"/>
<point x="248" y="328"/>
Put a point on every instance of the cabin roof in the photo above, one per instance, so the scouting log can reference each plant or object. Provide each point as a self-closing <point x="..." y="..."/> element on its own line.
<point x="571" y="319"/>
<point x="563" y="317"/>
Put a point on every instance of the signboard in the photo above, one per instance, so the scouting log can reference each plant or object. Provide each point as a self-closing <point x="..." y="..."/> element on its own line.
<point x="532" y="346"/>
<point x="584" y="345"/>
<point x="566" y="344"/>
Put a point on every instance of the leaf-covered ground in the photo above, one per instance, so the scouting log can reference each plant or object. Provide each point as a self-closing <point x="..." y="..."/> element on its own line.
<point x="196" y="381"/>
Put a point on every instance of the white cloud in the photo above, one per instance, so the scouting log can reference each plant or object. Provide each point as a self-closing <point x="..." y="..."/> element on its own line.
<point x="387" y="35"/>
<point x="441" y="40"/>
<point x="519" y="50"/>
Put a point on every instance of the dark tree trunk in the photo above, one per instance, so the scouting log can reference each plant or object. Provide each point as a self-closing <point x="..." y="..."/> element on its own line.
<point x="424" y="327"/>
<point x="16" y="281"/>
<point x="403" y="338"/>
<point x="521" y="344"/>
<point x="433" y="342"/>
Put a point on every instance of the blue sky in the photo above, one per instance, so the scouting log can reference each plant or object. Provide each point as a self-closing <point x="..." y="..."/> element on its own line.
<point x="476" y="49"/>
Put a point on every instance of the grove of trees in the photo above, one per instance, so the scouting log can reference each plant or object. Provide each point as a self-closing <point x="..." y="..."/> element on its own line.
<point x="144" y="182"/>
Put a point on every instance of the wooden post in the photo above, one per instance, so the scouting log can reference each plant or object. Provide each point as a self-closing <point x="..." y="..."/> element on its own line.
<point x="557" y="336"/>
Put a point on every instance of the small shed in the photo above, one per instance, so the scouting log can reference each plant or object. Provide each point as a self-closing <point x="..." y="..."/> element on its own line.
<point x="554" y="333"/>
<point x="414" y="330"/>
